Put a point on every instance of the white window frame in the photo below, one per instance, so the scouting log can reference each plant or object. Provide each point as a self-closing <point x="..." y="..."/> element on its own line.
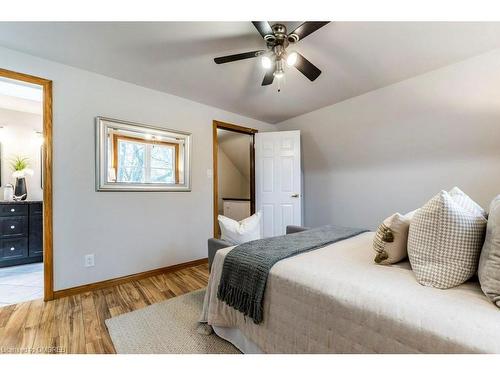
<point x="147" y="158"/>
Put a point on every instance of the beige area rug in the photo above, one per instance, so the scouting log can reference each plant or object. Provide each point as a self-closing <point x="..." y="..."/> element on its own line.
<point x="168" y="327"/>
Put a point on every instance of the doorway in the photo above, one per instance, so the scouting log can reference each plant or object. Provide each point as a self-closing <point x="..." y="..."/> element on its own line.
<point x="233" y="172"/>
<point x="26" y="271"/>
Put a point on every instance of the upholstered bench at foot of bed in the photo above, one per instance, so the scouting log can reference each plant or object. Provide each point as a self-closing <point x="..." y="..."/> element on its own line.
<point x="215" y="244"/>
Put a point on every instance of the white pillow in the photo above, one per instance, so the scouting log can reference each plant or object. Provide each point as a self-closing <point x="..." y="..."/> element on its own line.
<point x="238" y="232"/>
<point x="444" y="242"/>
<point x="391" y="238"/>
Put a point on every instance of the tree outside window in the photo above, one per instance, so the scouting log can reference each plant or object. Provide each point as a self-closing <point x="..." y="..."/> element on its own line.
<point x="145" y="162"/>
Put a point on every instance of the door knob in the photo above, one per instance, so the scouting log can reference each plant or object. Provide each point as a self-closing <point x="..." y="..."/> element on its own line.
<point x="295" y="195"/>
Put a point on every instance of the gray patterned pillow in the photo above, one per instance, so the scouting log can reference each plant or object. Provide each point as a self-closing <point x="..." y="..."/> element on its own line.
<point x="444" y="242"/>
<point x="489" y="263"/>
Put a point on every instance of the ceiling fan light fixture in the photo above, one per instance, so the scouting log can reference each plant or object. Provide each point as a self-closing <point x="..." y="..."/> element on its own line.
<point x="266" y="62"/>
<point x="270" y="38"/>
<point x="293" y="38"/>
<point x="279" y="74"/>
<point x="291" y="59"/>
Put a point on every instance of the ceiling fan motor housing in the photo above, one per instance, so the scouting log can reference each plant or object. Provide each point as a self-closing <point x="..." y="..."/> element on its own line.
<point x="279" y="29"/>
<point x="278" y="37"/>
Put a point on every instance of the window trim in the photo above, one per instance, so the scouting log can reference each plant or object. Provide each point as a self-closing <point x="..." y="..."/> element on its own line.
<point x="105" y="126"/>
<point x="114" y="145"/>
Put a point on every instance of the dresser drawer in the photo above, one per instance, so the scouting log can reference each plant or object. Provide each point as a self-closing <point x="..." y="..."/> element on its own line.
<point x="13" y="210"/>
<point x="13" y="248"/>
<point x="36" y="208"/>
<point x="13" y="226"/>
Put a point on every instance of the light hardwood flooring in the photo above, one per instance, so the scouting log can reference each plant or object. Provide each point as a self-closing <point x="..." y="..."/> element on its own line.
<point x="76" y="324"/>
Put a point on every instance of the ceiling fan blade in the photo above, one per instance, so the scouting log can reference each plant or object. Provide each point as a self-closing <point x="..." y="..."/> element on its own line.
<point x="263" y="27"/>
<point x="306" y="67"/>
<point x="268" y="78"/>
<point x="308" y="28"/>
<point x="238" y="56"/>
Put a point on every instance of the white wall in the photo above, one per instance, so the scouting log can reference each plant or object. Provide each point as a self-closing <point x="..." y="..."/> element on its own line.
<point x="394" y="148"/>
<point x="18" y="138"/>
<point x="232" y="183"/>
<point x="128" y="232"/>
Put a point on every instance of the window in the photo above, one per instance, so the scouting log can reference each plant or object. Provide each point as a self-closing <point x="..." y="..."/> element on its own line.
<point x="143" y="161"/>
<point x="137" y="157"/>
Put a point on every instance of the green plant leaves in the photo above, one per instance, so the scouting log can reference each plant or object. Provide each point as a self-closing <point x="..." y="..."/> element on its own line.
<point x="18" y="163"/>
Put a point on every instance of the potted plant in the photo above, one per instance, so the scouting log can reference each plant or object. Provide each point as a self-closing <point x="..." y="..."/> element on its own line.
<point x="20" y="166"/>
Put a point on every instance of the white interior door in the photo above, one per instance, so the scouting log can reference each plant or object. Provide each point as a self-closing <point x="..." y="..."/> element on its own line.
<point x="278" y="181"/>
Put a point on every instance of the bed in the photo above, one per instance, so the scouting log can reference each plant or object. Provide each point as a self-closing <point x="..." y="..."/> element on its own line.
<point x="337" y="300"/>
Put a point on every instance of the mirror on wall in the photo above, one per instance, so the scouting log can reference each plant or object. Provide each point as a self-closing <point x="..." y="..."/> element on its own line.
<point x="136" y="157"/>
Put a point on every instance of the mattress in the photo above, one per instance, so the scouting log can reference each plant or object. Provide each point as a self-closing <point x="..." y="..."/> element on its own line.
<point x="337" y="300"/>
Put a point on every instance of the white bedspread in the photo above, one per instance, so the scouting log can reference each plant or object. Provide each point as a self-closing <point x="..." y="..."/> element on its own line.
<point x="336" y="300"/>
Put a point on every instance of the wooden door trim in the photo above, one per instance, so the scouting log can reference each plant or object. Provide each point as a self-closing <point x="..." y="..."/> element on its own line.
<point x="215" y="145"/>
<point x="48" y="264"/>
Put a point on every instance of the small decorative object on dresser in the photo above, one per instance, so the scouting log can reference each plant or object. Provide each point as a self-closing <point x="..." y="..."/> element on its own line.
<point x="20" y="166"/>
<point x="8" y="192"/>
<point x="21" y="233"/>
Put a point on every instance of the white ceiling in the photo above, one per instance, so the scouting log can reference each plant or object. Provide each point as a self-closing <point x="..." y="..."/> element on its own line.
<point x="21" y="97"/>
<point x="20" y="105"/>
<point x="177" y="57"/>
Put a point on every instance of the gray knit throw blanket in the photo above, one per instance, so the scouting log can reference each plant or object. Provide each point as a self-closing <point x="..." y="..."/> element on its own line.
<point x="246" y="267"/>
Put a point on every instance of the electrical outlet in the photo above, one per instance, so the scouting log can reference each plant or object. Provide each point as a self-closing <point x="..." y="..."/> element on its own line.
<point x="89" y="260"/>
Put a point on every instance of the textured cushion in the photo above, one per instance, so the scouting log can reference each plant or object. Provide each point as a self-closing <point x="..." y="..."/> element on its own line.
<point x="489" y="263"/>
<point x="391" y="238"/>
<point x="444" y="242"/>
<point x="466" y="202"/>
<point x="238" y="232"/>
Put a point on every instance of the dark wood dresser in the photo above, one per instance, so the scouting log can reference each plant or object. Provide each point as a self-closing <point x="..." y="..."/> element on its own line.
<point x="21" y="232"/>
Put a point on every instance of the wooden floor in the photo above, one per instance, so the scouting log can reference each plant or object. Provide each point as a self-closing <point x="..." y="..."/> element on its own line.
<point x="76" y="324"/>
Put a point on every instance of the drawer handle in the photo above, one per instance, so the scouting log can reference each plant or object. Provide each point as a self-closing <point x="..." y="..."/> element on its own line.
<point x="12" y="227"/>
<point x="12" y="248"/>
<point x="12" y="210"/>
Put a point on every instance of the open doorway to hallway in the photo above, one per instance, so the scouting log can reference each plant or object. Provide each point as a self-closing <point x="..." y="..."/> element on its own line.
<point x="25" y="180"/>
<point x="21" y="239"/>
<point x="234" y="172"/>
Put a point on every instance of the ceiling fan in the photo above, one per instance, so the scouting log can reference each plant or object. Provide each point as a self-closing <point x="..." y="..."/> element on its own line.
<point x="276" y="56"/>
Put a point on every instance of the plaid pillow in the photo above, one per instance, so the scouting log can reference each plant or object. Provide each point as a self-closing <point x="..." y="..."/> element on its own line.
<point x="444" y="242"/>
<point x="466" y="202"/>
